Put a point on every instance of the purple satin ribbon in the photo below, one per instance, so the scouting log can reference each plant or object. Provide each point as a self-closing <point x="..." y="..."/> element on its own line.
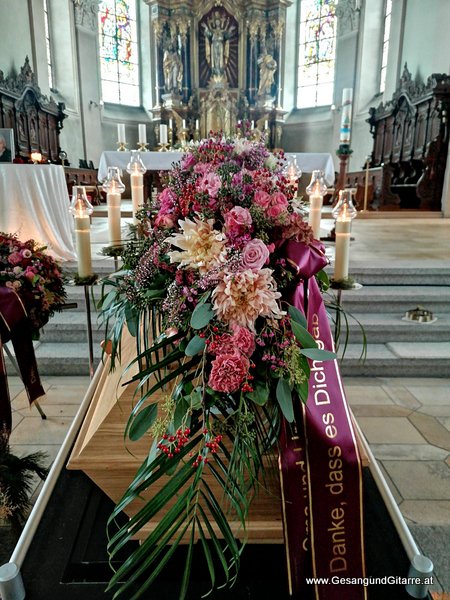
<point x="14" y="326"/>
<point x="320" y="468"/>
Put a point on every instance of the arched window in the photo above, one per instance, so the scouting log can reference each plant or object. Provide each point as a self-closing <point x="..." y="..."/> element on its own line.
<point x="48" y="47"/>
<point x="317" y="52"/>
<point x="119" y="64"/>
<point x="386" y="36"/>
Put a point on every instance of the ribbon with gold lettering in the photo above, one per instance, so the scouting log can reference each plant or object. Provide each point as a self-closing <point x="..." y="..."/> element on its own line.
<point x="14" y="326"/>
<point x="321" y="478"/>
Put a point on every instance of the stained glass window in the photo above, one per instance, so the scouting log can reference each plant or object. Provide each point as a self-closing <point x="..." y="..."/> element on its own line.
<point x="386" y="35"/>
<point x="119" y="65"/>
<point x="317" y="52"/>
<point x="48" y="47"/>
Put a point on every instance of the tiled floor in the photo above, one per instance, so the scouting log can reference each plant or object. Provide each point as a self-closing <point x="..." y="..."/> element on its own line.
<point x="406" y="421"/>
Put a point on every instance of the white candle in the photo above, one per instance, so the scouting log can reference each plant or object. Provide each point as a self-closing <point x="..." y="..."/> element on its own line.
<point x="347" y="97"/>
<point x="196" y="125"/>
<point x="315" y="214"/>
<point x="184" y="123"/>
<point x="343" y="229"/>
<point x="137" y="192"/>
<point x="121" y="133"/>
<point x="83" y="244"/>
<point x="266" y="125"/>
<point x="113" y="203"/>
<point x="142" y="134"/>
<point x="252" y="125"/>
<point x="163" y="134"/>
<point x="170" y="124"/>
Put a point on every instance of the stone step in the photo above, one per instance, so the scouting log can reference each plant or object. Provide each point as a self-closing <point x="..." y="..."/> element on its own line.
<point x="397" y="276"/>
<point x="390" y="327"/>
<point x="71" y="326"/>
<point x="387" y="299"/>
<point x="398" y="359"/>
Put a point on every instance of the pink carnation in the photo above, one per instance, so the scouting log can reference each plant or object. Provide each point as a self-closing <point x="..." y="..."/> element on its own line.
<point x="164" y="221"/>
<point x="228" y="371"/>
<point x="237" y="221"/>
<point x="188" y="161"/>
<point x="222" y="344"/>
<point x="255" y="255"/>
<point x="202" y="168"/>
<point x="15" y="258"/>
<point x="244" y="340"/>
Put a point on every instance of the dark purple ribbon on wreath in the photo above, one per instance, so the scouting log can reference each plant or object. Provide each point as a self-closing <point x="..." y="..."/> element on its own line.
<point x="15" y="326"/>
<point x="320" y="467"/>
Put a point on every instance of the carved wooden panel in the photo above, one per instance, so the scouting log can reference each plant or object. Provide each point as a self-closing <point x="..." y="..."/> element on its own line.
<point x="379" y="139"/>
<point x="388" y="138"/>
<point x="420" y="134"/>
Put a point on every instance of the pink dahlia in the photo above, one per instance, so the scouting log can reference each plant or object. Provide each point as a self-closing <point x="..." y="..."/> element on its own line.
<point x="240" y="298"/>
<point x="244" y="340"/>
<point x="228" y="371"/>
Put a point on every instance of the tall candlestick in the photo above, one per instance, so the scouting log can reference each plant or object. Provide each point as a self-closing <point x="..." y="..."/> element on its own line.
<point x="366" y="184"/>
<point x="142" y="134"/>
<point x="113" y="203"/>
<point x="315" y="214"/>
<point x="163" y="133"/>
<point x="346" y="118"/>
<point x="121" y="133"/>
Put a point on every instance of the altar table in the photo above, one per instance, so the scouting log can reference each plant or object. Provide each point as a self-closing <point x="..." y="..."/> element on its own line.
<point x="162" y="161"/>
<point x="34" y="204"/>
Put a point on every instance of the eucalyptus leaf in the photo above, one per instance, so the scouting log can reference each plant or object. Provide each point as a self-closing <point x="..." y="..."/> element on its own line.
<point x="317" y="354"/>
<point x="302" y="391"/>
<point x="201" y="315"/>
<point x="260" y="394"/>
<point x="297" y="316"/>
<point x="303" y="336"/>
<point x="284" y="397"/>
<point x="196" y="345"/>
<point x="142" y="422"/>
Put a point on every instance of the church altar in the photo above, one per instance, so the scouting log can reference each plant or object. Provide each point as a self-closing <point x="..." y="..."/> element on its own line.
<point x="162" y="161"/>
<point x="35" y="204"/>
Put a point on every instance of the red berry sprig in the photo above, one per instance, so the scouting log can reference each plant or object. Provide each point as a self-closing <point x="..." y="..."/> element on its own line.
<point x="172" y="444"/>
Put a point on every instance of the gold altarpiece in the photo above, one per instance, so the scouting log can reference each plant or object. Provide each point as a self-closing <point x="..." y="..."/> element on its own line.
<point x="217" y="63"/>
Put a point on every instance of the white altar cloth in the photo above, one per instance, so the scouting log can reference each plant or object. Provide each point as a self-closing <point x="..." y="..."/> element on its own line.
<point x="162" y="161"/>
<point x="34" y="203"/>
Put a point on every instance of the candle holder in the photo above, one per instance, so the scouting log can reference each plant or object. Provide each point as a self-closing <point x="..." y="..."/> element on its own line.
<point x="344" y="212"/>
<point x="142" y="147"/>
<point x="163" y="147"/>
<point x="121" y="146"/>
<point x="82" y="209"/>
<point x="344" y="152"/>
<point x="293" y="173"/>
<point x="316" y="190"/>
<point x="114" y="187"/>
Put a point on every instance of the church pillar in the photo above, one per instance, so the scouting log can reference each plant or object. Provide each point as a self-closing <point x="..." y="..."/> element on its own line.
<point x="86" y="28"/>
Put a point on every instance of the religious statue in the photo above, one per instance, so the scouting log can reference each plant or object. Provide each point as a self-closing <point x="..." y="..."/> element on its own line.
<point x="267" y="67"/>
<point x="218" y="32"/>
<point x="173" y="69"/>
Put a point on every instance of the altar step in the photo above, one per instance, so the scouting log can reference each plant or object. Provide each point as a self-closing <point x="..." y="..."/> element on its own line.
<point x="395" y="347"/>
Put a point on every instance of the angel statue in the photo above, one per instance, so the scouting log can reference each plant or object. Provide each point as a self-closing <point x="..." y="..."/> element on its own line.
<point x="218" y="32"/>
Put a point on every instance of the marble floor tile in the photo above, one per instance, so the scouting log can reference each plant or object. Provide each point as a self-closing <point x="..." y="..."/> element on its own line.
<point x="431" y="394"/>
<point x="390" y="430"/>
<point x="401" y="396"/>
<point x="367" y="394"/>
<point x="439" y="410"/>
<point x="426" y="512"/>
<point x="34" y="430"/>
<point x="445" y="421"/>
<point x="433" y="431"/>
<point x="408" y="452"/>
<point x="375" y="410"/>
<point x="425" y="480"/>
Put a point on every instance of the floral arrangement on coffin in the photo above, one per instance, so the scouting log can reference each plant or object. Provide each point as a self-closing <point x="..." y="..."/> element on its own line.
<point x="206" y="284"/>
<point x="34" y="275"/>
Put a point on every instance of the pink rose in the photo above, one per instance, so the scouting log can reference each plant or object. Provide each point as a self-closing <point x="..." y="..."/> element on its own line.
<point x="261" y="198"/>
<point x="244" y="340"/>
<point x="188" y="161"/>
<point x="201" y="168"/>
<point x="30" y="272"/>
<point x="279" y="199"/>
<point x="255" y="255"/>
<point x="210" y="183"/>
<point x="237" y="220"/>
<point x="275" y="211"/>
<point x="228" y="372"/>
